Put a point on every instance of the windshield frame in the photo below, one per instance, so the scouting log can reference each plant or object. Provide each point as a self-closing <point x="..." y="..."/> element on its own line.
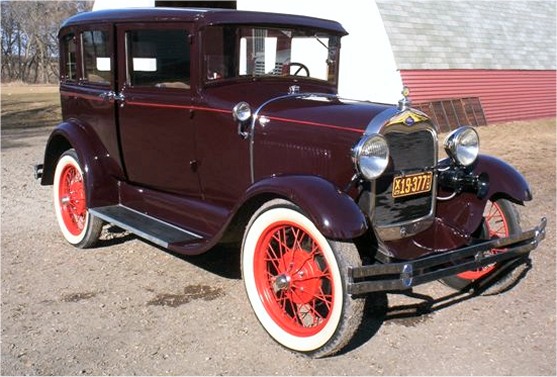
<point x="232" y="38"/>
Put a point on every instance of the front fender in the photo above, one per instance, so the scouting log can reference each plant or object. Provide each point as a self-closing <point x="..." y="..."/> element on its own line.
<point x="503" y="179"/>
<point x="99" y="168"/>
<point x="333" y="212"/>
<point x="465" y="211"/>
<point x="458" y="218"/>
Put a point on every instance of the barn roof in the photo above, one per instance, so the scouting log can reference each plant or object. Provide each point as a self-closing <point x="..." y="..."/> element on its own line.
<point x="467" y="34"/>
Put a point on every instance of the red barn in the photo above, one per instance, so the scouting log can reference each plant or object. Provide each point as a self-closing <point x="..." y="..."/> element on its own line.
<point x="502" y="52"/>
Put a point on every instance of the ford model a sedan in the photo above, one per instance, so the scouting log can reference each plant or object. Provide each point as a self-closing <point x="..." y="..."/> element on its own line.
<point x="191" y="128"/>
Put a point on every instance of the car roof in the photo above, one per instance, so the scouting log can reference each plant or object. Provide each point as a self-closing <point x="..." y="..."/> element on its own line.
<point x="202" y="17"/>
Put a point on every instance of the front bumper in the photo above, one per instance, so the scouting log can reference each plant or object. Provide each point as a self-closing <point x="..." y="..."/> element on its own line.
<point x="404" y="275"/>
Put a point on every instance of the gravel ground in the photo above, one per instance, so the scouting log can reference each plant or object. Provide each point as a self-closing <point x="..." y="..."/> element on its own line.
<point x="131" y="308"/>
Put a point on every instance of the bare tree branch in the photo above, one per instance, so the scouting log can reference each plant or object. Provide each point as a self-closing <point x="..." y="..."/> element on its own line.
<point x="29" y="38"/>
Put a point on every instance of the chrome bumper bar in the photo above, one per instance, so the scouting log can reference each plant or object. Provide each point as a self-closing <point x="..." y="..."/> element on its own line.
<point x="404" y="275"/>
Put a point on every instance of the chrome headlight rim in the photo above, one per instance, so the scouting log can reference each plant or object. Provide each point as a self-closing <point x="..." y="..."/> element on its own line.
<point x="463" y="145"/>
<point x="241" y="112"/>
<point x="371" y="164"/>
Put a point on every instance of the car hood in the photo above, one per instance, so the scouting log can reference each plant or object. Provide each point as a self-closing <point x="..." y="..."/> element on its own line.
<point x="326" y="111"/>
<point x="310" y="134"/>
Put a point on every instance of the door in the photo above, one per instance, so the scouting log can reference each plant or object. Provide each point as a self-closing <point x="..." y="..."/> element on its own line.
<point x="154" y="111"/>
<point x="86" y="76"/>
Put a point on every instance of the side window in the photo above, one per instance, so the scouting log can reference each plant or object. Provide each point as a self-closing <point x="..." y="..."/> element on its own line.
<point x="68" y="64"/>
<point x="158" y="58"/>
<point x="220" y="52"/>
<point x="97" y="65"/>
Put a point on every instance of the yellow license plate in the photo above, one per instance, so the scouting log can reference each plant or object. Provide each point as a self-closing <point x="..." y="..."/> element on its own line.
<point x="412" y="184"/>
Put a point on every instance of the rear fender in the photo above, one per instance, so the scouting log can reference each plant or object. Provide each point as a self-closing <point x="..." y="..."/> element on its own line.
<point x="333" y="212"/>
<point x="99" y="169"/>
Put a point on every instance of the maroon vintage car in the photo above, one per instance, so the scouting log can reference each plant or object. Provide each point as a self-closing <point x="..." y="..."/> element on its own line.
<point x="194" y="127"/>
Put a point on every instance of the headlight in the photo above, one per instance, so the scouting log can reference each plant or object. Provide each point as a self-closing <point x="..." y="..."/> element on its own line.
<point x="241" y="112"/>
<point x="463" y="145"/>
<point x="371" y="156"/>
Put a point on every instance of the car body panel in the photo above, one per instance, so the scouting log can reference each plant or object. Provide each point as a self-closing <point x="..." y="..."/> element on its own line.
<point x="284" y="140"/>
<point x="504" y="179"/>
<point x="339" y="219"/>
<point x="202" y="18"/>
<point x="100" y="169"/>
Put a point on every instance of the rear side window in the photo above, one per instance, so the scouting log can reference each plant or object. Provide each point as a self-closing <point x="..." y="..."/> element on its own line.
<point x="158" y="58"/>
<point x="68" y="58"/>
<point x="97" y="64"/>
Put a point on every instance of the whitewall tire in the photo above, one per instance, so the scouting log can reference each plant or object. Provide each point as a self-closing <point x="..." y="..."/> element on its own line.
<point x="77" y="225"/>
<point x="294" y="279"/>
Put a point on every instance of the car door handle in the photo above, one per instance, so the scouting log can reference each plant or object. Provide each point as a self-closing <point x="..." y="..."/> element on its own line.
<point x="107" y="96"/>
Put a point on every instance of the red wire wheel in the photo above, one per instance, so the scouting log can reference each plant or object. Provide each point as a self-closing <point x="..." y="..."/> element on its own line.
<point x="500" y="220"/>
<point x="292" y="274"/>
<point x="71" y="196"/>
<point x="293" y="279"/>
<point x="496" y="226"/>
<point x="70" y="203"/>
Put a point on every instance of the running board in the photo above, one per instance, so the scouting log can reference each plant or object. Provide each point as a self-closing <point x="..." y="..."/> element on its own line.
<point x="145" y="226"/>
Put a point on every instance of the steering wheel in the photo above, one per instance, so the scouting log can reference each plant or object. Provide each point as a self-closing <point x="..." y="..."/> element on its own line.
<point x="300" y="68"/>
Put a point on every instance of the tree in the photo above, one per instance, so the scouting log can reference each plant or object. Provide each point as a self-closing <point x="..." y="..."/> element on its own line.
<point x="29" y="38"/>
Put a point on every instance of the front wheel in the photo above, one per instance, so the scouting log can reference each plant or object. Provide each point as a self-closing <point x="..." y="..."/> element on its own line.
<point x="500" y="220"/>
<point x="295" y="281"/>
<point x="78" y="226"/>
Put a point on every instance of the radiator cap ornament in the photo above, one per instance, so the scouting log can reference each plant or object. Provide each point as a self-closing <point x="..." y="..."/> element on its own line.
<point x="406" y="114"/>
<point x="405" y="102"/>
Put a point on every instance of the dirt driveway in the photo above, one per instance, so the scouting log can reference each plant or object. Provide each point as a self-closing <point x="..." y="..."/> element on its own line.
<point x="129" y="308"/>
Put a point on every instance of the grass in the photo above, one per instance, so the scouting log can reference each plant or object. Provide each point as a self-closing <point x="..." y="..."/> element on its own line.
<point x="29" y="106"/>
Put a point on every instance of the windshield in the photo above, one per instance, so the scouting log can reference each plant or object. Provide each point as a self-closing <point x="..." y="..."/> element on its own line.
<point x="238" y="51"/>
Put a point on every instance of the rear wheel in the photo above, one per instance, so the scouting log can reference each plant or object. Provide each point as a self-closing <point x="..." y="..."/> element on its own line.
<point x="500" y="220"/>
<point x="295" y="281"/>
<point x="78" y="226"/>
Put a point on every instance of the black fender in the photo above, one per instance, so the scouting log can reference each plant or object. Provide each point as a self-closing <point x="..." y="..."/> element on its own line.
<point x="99" y="168"/>
<point x="504" y="179"/>
<point x="333" y="212"/>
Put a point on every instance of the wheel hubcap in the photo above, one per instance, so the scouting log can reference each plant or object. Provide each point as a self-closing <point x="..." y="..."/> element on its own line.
<point x="282" y="282"/>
